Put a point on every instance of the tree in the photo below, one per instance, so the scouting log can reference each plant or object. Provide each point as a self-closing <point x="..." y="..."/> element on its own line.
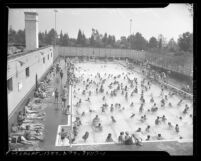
<point x="41" y="37"/>
<point x="105" y="39"/>
<point x="20" y="37"/>
<point x="110" y="41"/>
<point x="92" y="41"/>
<point x="50" y="39"/>
<point x="83" y="39"/>
<point x="11" y="36"/>
<point x="191" y="43"/>
<point x="138" y="42"/>
<point x="152" y="42"/>
<point x="185" y="41"/>
<point x="172" y="45"/>
<point x="124" y="42"/>
<point x="61" y="41"/>
<point x="161" y="41"/>
<point x="79" y="37"/>
<point x="160" y="44"/>
<point x="117" y="44"/>
<point x="65" y="40"/>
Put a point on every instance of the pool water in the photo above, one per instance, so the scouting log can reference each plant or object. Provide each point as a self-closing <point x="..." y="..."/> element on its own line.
<point x="86" y="70"/>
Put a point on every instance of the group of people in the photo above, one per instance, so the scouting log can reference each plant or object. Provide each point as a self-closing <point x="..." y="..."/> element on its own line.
<point x="28" y="130"/>
<point x="64" y="93"/>
<point x="42" y="87"/>
<point x="96" y="84"/>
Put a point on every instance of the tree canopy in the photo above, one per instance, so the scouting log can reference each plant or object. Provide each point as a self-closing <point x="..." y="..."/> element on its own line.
<point x="134" y="41"/>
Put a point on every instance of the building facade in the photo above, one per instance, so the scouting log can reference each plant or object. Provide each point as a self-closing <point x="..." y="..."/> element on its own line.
<point x="22" y="72"/>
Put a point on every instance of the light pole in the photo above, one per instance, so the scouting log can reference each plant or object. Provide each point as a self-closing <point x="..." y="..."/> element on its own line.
<point x="130" y="31"/>
<point x="130" y="25"/>
<point x="55" y="11"/>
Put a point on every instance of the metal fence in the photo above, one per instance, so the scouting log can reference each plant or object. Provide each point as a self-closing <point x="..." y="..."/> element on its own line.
<point x="162" y="61"/>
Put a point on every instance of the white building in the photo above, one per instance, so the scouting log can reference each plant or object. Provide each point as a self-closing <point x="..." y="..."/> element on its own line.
<point x="23" y="69"/>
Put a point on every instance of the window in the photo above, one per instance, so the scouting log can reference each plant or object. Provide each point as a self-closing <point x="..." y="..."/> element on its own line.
<point x="43" y="60"/>
<point x="27" y="71"/>
<point x="10" y="84"/>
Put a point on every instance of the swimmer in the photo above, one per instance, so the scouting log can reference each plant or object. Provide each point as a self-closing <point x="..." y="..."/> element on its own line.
<point x="142" y="119"/>
<point x="148" y="138"/>
<point x="170" y="125"/>
<point x="170" y="104"/>
<point x="157" y="121"/>
<point x="152" y="100"/>
<point x="113" y="119"/>
<point x="138" y="130"/>
<point x="88" y="99"/>
<point x="80" y="101"/>
<point x="179" y="103"/>
<point x="164" y="118"/>
<point x="141" y="108"/>
<point x="159" y="137"/>
<point x="89" y="93"/>
<point x="121" y="138"/>
<point x="132" y="104"/>
<point x="186" y="109"/>
<point x="103" y="109"/>
<point x="177" y="128"/>
<point x="85" y="136"/>
<point x="132" y="115"/>
<point x="147" y="128"/>
<point x="90" y="110"/>
<point x="111" y="108"/>
<point x="100" y="127"/>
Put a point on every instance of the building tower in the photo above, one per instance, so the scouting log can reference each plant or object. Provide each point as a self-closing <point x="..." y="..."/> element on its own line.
<point x="31" y="30"/>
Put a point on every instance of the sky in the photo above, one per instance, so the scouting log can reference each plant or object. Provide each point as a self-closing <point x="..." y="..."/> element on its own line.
<point x="170" y="21"/>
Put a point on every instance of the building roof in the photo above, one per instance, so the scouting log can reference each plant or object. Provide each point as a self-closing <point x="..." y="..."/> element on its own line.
<point x="13" y="56"/>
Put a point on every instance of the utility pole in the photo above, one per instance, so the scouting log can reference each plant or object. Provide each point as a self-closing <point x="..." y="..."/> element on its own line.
<point x="130" y="31"/>
<point x="55" y="11"/>
<point x="130" y="25"/>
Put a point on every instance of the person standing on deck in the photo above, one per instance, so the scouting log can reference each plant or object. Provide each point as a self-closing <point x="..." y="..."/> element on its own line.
<point x="57" y="68"/>
<point x="64" y="97"/>
<point x="56" y="94"/>
<point x="65" y="62"/>
<point x="61" y="75"/>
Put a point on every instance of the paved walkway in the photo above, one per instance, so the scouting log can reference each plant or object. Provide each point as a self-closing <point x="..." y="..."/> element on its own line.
<point x="54" y="117"/>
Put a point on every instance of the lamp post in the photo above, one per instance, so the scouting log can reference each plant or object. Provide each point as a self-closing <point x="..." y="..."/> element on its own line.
<point x="55" y="11"/>
<point x="130" y="31"/>
<point x="130" y="25"/>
